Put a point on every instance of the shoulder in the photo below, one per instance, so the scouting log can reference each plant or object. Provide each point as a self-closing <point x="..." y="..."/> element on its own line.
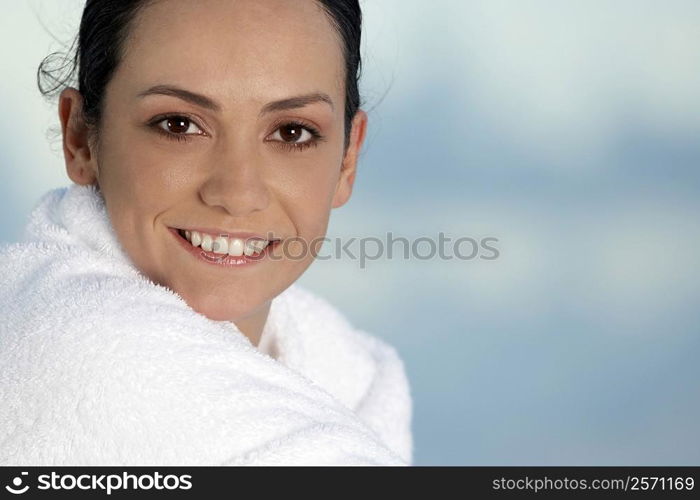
<point x="363" y="370"/>
<point x="116" y="371"/>
<point x="387" y="405"/>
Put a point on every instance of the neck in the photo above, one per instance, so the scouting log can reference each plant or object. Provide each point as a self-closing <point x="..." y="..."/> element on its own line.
<point x="252" y="325"/>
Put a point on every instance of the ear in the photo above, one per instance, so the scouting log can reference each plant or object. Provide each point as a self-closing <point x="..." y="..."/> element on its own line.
<point x="81" y="164"/>
<point x="348" y="169"/>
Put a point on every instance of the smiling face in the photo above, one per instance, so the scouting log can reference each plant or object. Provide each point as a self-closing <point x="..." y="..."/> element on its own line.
<point x="234" y="152"/>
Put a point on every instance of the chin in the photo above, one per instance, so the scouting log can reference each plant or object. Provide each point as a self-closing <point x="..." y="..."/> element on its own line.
<point x="218" y="315"/>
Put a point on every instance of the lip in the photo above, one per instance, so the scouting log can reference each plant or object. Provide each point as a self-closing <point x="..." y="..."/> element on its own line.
<point x="222" y="260"/>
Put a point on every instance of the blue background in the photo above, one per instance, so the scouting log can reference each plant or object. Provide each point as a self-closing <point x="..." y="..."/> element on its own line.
<point x="567" y="130"/>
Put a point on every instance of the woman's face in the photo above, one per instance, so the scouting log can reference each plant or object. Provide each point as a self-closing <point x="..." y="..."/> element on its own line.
<point x="235" y="167"/>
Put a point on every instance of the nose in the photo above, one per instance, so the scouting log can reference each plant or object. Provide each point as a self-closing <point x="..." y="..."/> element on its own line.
<point x="235" y="183"/>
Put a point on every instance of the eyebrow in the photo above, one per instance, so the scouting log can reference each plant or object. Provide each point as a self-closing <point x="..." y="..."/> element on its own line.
<point x="203" y="101"/>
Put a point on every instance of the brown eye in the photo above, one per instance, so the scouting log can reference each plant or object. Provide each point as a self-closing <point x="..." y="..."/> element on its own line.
<point x="292" y="132"/>
<point x="296" y="136"/>
<point x="177" y="125"/>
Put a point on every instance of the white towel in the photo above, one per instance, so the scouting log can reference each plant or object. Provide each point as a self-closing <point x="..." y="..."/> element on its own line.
<point x="101" y="366"/>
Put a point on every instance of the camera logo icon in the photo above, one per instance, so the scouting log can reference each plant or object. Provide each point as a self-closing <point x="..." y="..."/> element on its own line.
<point x="17" y="483"/>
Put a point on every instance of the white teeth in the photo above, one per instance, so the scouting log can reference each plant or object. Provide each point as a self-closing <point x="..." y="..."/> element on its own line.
<point x="220" y="245"/>
<point x="196" y="239"/>
<point x="207" y="242"/>
<point x="223" y="245"/>
<point x="249" y="248"/>
<point x="235" y="247"/>
<point x="260" y="245"/>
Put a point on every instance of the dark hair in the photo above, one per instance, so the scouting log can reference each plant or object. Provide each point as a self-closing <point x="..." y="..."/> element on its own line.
<point x="105" y="26"/>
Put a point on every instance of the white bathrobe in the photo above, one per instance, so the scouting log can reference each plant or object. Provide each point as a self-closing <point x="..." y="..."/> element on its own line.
<point x="101" y="366"/>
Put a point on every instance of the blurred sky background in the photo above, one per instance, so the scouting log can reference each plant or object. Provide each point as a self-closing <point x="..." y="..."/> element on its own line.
<point x="569" y="131"/>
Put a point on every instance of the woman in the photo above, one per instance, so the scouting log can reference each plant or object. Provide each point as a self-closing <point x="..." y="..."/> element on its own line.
<point x="150" y="313"/>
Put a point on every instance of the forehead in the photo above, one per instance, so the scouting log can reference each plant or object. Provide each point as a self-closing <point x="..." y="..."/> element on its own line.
<point x="238" y="50"/>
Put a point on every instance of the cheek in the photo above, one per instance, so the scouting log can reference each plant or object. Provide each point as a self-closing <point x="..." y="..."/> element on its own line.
<point x="146" y="168"/>
<point x="138" y="185"/>
<point x="308" y="190"/>
<point x="310" y="215"/>
<point x="142" y="179"/>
